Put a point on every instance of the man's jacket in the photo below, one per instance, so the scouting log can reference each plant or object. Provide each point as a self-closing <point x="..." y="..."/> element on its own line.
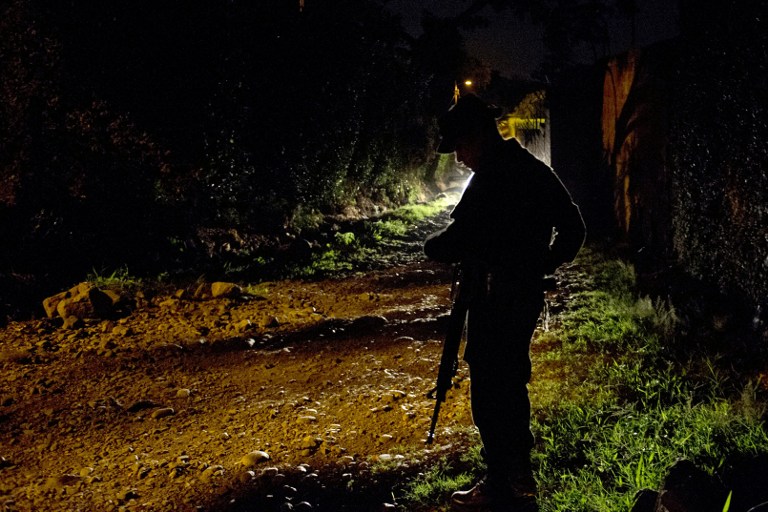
<point x="515" y="215"/>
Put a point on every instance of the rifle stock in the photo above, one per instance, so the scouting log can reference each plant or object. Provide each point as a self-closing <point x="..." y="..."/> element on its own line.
<point x="449" y="361"/>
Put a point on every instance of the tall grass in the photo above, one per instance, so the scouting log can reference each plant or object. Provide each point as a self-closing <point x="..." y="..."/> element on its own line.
<point x="614" y="409"/>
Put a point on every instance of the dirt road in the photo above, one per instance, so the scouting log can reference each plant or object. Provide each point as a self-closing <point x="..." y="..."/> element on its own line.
<point x="288" y="399"/>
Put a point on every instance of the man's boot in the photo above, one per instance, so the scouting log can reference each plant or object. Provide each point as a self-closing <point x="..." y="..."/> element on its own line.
<point x="510" y="493"/>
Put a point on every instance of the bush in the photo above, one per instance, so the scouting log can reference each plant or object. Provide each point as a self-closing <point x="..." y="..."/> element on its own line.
<point x="718" y="149"/>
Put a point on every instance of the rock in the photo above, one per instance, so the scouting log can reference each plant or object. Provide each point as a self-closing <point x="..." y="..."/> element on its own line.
<point x="394" y="395"/>
<point x="183" y="393"/>
<point x="82" y="301"/>
<point x="163" y="412"/>
<point x="253" y="458"/>
<point x="225" y="290"/>
<point x="690" y="489"/>
<point x="90" y="302"/>
<point x="51" y="303"/>
<point x="217" y="290"/>
<point x="270" y="472"/>
<point x="72" y="322"/>
<point x="127" y="495"/>
<point x="210" y="472"/>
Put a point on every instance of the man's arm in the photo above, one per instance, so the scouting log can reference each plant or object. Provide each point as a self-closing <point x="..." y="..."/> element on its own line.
<point x="445" y="245"/>
<point x="570" y="230"/>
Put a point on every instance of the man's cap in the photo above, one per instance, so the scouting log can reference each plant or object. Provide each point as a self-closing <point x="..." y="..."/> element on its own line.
<point x="468" y="114"/>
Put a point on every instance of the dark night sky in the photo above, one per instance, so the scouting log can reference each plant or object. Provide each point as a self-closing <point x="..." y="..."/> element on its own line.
<point x="515" y="48"/>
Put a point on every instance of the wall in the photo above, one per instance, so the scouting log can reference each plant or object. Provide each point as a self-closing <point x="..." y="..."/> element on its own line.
<point x="634" y="128"/>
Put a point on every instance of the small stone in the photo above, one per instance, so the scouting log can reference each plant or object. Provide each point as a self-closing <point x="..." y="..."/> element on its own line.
<point x="394" y="395"/>
<point x="210" y="472"/>
<point x="183" y="393"/>
<point x="127" y="495"/>
<point x="73" y="322"/>
<point x="270" y="472"/>
<point x="247" y="476"/>
<point x="253" y="458"/>
<point x="163" y="412"/>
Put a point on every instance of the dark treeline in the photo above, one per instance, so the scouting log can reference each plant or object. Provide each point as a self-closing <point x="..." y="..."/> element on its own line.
<point x="127" y="129"/>
<point x="719" y="149"/>
<point x="125" y="126"/>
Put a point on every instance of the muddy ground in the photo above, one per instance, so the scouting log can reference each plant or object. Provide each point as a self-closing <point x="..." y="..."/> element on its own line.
<point x="293" y="397"/>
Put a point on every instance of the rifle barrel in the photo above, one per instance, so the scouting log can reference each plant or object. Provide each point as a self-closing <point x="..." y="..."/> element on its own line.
<point x="435" y="414"/>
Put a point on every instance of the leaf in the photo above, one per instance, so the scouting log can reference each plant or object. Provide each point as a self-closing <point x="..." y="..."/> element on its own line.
<point x="727" y="505"/>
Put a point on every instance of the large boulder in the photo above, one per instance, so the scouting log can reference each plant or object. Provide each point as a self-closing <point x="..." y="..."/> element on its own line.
<point x="81" y="302"/>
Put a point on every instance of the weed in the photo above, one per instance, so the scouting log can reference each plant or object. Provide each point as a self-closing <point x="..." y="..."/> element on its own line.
<point x="119" y="279"/>
<point x="436" y="484"/>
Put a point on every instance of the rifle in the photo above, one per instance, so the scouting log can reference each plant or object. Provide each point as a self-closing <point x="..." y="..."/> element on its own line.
<point x="449" y="361"/>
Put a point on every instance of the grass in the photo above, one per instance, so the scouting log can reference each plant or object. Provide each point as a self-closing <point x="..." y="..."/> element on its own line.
<point x="349" y="250"/>
<point x="120" y="279"/>
<point x="613" y="408"/>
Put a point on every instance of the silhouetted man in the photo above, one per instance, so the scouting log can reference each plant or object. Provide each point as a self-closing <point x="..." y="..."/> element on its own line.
<point x="515" y="223"/>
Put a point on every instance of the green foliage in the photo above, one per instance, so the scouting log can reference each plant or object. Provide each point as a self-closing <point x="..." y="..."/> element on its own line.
<point x="398" y="222"/>
<point x="442" y="479"/>
<point x="415" y="212"/>
<point x="609" y="316"/>
<point x="119" y="279"/>
<point x="346" y="239"/>
<point x="596" y="450"/>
